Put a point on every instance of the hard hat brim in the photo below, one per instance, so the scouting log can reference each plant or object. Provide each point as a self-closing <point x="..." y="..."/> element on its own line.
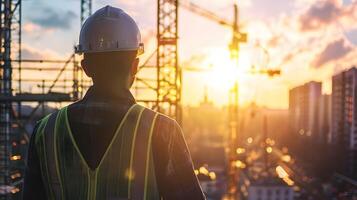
<point x="140" y="50"/>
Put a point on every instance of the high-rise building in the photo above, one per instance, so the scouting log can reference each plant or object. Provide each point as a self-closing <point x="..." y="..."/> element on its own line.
<point x="344" y="120"/>
<point x="303" y="108"/>
<point x="324" y="119"/>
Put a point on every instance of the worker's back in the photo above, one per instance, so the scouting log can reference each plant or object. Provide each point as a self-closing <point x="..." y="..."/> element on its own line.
<point x="109" y="155"/>
<point x="125" y="168"/>
<point x="106" y="146"/>
<point x="94" y="121"/>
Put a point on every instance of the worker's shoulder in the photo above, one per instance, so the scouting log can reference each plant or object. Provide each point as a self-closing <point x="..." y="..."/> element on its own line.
<point x="39" y="128"/>
<point x="162" y="120"/>
<point x="41" y="123"/>
<point x="53" y="115"/>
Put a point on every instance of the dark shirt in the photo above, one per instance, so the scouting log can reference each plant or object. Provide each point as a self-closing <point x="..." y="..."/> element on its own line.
<point x="93" y="121"/>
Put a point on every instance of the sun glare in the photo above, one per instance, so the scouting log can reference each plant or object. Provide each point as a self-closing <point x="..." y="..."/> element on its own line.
<point x="224" y="71"/>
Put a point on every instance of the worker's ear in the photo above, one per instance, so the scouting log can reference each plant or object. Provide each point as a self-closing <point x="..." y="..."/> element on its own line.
<point x="134" y="67"/>
<point x="86" y="67"/>
<point x="134" y="70"/>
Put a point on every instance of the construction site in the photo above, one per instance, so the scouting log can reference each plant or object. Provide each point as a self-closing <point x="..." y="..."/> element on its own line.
<point x="240" y="151"/>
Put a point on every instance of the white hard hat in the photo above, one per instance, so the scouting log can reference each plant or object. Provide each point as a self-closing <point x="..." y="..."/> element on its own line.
<point x="109" y="29"/>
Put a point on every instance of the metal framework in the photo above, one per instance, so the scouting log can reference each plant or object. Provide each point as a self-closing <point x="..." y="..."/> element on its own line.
<point x="67" y="85"/>
<point x="10" y="44"/>
<point x="86" y="9"/>
<point x="169" y="79"/>
<point x="5" y="111"/>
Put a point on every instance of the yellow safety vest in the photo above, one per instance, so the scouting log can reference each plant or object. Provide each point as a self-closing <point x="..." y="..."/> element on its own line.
<point x="126" y="170"/>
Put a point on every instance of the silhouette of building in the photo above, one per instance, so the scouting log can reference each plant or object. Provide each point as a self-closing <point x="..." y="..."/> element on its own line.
<point x="303" y="108"/>
<point x="344" y="120"/>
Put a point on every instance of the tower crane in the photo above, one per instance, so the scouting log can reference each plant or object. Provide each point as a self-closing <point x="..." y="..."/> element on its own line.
<point x="237" y="36"/>
<point x="234" y="47"/>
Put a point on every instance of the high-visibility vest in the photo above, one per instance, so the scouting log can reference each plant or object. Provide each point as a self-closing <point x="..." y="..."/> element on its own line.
<point x="126" y="170"/>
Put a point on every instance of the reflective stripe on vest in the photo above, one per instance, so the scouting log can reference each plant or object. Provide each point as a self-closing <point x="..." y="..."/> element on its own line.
<point x="126" y="170"/>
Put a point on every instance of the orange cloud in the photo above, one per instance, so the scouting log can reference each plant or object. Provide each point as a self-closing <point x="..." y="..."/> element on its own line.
<point x="30" y="27"/>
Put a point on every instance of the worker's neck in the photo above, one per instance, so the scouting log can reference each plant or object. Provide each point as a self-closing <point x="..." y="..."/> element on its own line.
<point x="111" y="87"/>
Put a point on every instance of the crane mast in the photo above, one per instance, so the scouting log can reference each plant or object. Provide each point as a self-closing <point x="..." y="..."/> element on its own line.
<point x="233" y="125"/>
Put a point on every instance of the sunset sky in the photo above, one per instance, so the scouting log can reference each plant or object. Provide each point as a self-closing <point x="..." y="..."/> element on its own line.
<point x="307" y="39"/>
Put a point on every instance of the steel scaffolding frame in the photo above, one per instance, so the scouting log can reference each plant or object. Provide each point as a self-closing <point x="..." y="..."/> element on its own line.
<point x="163" y="90"/>
<point x="5" y="112"/>
<point x="169" y="76"/>
<point x="13" y="134"/>
<point x="10" y="44"/>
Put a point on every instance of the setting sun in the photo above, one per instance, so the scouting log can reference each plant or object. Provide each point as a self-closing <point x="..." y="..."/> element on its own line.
<point x="221" y="72"/>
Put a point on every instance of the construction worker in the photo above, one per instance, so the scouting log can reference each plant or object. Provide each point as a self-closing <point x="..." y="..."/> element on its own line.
<point x="106" y="146"/>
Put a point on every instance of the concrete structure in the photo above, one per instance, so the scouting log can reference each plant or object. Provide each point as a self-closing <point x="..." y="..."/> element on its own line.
<point x="303" y="108"/>
<point x="344" y="120"/>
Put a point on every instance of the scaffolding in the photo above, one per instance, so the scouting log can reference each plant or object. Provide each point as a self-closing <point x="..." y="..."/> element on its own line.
<point x="67" y="85"/>
<point x="64" y="82"/>
<point x="168" y="72"/>
<point x="10" y="44"/>
<point x="158" y="86"/>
